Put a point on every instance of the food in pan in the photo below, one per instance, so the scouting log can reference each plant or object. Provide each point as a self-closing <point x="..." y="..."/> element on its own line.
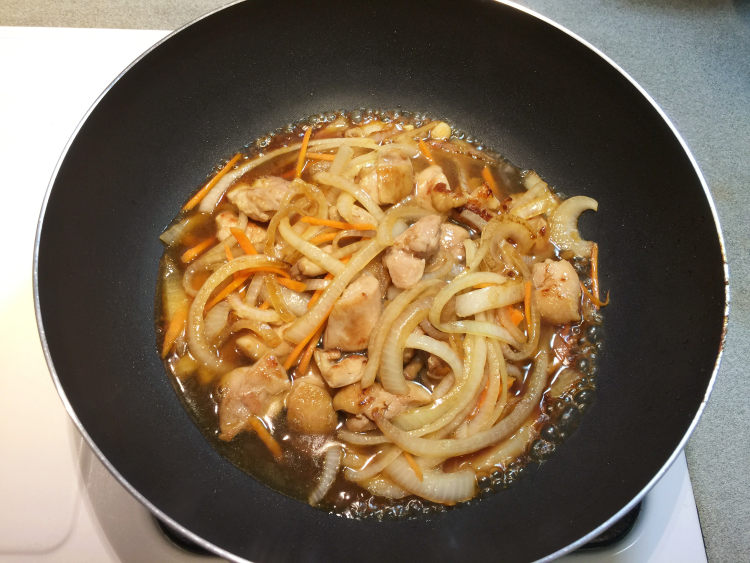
<point x="372" y="312"/>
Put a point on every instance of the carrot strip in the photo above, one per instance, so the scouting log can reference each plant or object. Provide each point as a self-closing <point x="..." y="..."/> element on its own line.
<point x="338" y="224"/>
<point x="302" y="152"/>
<point x="292" y="284"/>
<point x="243" y="241"/>
<point x="425" y="150"/>
<point x="320" y="156"/>
<point x="289" y="174"/>
<point x="486" y="284"/>
<point x="594" y="299"/>
<point x="192" y="253"/>
<point x="265" y="305"/>
<point x="595" y="277"/>
<point x="490" y="179"/>
<point x="236" y="283"/>
<point x="228" y="252"/>
<point x="302" y="343"/>
<point x="414" y="466"/>
<point x="325" y="237"/>
<point x="196" y="199"/>
<point x="265" y="437"/>
<point x="516" y="316"/>
<point x="305" y="360"/>
<point x="527" y="302"/>
<point x="175" y="327"/>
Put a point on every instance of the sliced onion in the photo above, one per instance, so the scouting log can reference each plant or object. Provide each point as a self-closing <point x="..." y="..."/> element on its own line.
<point x="362" y="439"/>
<point x="486" y="298"/>
<point x="435" y="485"/>
<point x="391" y="371"/>
<point x="216" y="320"/>
<point x="387" y="318"/>
<point x="374" y="465"/>
<point x="437" y="348"/>
<point x="331" y="466"/>
<point x="343" y="184"/>
<point x="460" y="446"/>
<point x="310" y="251"/>
<point x="342" y="158"/>
<point x="563" y="223"/>
<point x="507" y="450"/>
<point x="382" y="487"/>
<point x="406" y="210"/>
<point x="244" y="311"/>
<point x="196" y="338"/>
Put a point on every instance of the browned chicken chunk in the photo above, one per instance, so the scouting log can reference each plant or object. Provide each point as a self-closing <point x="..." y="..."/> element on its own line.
<point x="354" y="315"/>
<point x="355" y="400"/>
<point x="248" y="391"/>
<point x="261" y="199"/>
<point x="405" y="260"/>
<point x="452" y="239"/>
<point x="557" y="291"/>
<point x="309" y="408"/>
<point x="227" y="220"/>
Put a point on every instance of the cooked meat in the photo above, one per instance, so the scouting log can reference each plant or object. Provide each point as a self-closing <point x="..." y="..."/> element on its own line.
<point x="248" y="391"/>
<point x="405" y="260"/>
<point x="338" y="372"/>
<point x="433" y="190"/>
<point x="359" y="423"/>
<point x="354" y="315"/>
<point x="310" y="269"/>
<point x="261" y="199"/>
<point x="437" y="368"/>
<point x="309" y="408"/>
<point x="355" y="400"/>
<point x="254" y="348"/>
<point x="557" y="291"/>
<point x="395" y="176"/>
<point x="452" y="239"/>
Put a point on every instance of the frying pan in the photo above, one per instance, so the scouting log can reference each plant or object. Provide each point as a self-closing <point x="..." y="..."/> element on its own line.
<point x="522" y="85"/>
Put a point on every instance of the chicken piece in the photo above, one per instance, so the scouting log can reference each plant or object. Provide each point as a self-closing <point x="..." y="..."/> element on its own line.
<point x="452" y="239"/>
<point x="259" y="200"/>
<point x="557" y="291"/>
<point x="254" y="348"/>
<point x="338" y="372"/>
<point x="309" y="408"/>
<point x="359" y="423"/>
<point x="354" y="315"/>
<point x="395" y="176"/>
<point x="355" y="400"/>
<point x="437" y="368"/>
<point x="249" y="391"/>
<point x="433" y="191"/>
<point x="405" y="260"/>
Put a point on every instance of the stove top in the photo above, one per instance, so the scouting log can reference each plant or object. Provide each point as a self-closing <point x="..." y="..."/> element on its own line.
<point x="59" y="502"/>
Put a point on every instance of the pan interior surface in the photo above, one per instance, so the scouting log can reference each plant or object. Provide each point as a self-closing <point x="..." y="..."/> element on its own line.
<point x="526" y="89"/>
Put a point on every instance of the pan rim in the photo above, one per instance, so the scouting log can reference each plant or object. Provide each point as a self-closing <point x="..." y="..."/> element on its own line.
<point x="222" y="552"/>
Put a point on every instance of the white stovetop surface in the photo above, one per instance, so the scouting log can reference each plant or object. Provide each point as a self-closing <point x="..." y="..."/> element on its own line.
<point x="57" y="499"/>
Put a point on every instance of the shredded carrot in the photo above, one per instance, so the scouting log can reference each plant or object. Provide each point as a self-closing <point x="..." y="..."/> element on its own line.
<point x="338" y="224"/>
<point x="302" y="343"/>
<point x="292" y="284"/>
<point x="594" y="299"/>
<point x="265" y="305"/>
<point x="414" y="466"/>
<point x="516" y="316"/>
<point x="289" y="174"/>
<point x="196" y="199"/>
<point x="318" y="293"/>
<point x="193" y="252"/>
<point x="490" y="179"/>
<point x="486" y="284"/>
<point x="174" y="328"/>
<point x="236" y="283"/>
<point x="595" y="278"/>
<point x="325" y="237"/>
<point x="265" y="437"/>
<point x="527" y="302"/>
<point x="480" y="401"/>
<point x="243" y="241"/>
<point x="302" y="153"/>
<point x="228" y="253"/>
<point x="305" y="360"/>
<point x="425" y="150"/>
<point x="239" y="279"/>
<point x="320" y="156"/>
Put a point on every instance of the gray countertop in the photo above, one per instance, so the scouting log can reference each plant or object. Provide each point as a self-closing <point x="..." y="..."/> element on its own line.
<point x="693" y="57"/>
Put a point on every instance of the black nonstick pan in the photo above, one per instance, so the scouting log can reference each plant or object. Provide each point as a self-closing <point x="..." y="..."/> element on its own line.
<point x="528" y="90"/>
